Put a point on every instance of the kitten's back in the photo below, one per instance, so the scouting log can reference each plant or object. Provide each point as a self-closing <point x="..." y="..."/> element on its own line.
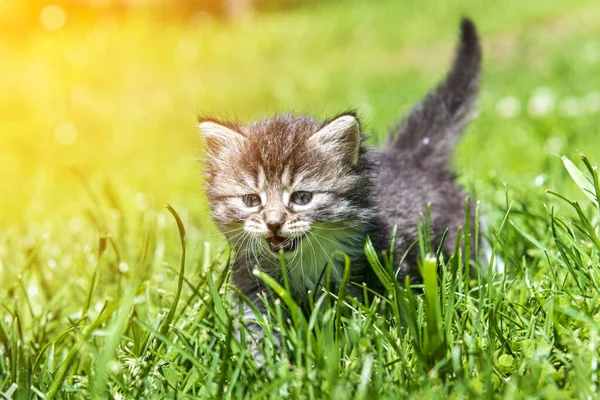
<point x="414" y="170"/>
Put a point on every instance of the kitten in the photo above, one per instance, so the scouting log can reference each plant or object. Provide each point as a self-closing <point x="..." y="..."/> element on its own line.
<point x="308" y="188"/>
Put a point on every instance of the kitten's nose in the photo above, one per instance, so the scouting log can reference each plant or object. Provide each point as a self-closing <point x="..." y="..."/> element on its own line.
<point x="274" y="226"/>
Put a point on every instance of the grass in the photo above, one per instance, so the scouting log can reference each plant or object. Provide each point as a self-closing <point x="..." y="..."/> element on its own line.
<point x="107" y="294"/>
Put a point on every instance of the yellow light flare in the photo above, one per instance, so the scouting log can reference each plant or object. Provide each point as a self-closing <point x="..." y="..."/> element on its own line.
<point x="53" y="17"/>
<point x="65" y="134"/>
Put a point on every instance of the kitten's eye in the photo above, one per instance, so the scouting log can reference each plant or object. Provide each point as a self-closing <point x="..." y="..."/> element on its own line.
<point x="251" y="200"/>
<point x="301" y="198"/>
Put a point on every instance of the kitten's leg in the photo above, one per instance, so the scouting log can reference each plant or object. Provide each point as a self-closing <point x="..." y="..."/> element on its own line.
<point x="255" y="334"/>
<point x="252" y="332"/>
<point x="253" y="309"/>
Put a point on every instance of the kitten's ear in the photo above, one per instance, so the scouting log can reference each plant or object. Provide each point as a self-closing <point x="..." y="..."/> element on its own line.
<point x="341" y="135"/>
<point x="219" y="137"/>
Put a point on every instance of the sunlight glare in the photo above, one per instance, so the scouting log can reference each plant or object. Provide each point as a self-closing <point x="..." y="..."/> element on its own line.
<point x="53" y="17"/>
<point x="65" y="134"/>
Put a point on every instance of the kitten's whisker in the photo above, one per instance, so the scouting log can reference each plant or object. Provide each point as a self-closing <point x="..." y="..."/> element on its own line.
<point x="243" y="247"/>
<point x="223" y="233"/>
<point x="325" y="252"/>
<point x="249" y="264"/>
<point x="301" y="265"/>
<point x="256" y="250"/>
<point x="263" y="252"/>
<point x="314" y="263"/>
<point x="252" y="248"/>
<point x="312" y="250"/>
<point x="229" y="240"/>
<point x="241" y="250"/>
<point x="341" y="228"/>
<point x="326" y="238"/>
<point x="313" y="238"/>
<point x="298" y="258"/>
<point x="240" y="241"/>
<point x="222" y="247"/>
<point x="319" y="243"/>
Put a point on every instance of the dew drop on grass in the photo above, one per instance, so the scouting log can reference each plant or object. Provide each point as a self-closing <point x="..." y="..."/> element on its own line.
<point x="114" y="366"/>
<point x="571" y="107"/>
<point x="508" y="107"/>
<point x="592" y="101"/>
<point x="542" y="101"/>
<point x="539" y="180"/>
<point x="123" y="267"/>
<point x="554" y="145"/>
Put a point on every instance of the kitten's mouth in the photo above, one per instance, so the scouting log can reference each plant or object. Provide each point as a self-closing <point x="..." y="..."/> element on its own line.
<point x="287" y="244"/>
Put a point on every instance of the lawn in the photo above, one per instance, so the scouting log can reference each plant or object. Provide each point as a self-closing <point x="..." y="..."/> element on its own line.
<point x="106" y="293"/>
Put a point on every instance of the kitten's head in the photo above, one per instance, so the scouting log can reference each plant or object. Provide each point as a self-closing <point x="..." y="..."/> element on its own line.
<point x="278" y="182"/>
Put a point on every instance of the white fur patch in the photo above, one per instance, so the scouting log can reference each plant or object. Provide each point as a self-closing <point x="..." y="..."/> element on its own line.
<point x="261" y="178"/>
<point x="285" y="177"/>
<point x="286" y="197"/>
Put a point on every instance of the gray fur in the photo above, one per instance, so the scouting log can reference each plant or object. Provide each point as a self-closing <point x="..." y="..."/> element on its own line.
<point x="357" y="192"/>
<point x="415" y="168"/>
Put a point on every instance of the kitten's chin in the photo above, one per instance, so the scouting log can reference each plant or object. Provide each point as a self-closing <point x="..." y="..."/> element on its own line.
<point x="287" y="244"/>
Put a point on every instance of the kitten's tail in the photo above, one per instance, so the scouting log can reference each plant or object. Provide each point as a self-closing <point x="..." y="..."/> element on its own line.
<point x="433" y="127"/>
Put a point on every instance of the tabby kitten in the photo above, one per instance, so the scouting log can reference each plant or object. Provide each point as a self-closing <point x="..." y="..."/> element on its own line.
<point x="308" y="188"/>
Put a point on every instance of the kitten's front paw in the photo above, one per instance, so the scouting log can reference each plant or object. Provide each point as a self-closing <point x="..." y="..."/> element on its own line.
<point x="260" y="345"/>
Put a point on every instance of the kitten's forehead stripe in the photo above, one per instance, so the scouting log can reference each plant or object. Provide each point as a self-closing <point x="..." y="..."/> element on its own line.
<point x="286" y="196"/>
<point x="261" y="178"/>
<point x="285" y="176"/>
<point x="279" y="144"/>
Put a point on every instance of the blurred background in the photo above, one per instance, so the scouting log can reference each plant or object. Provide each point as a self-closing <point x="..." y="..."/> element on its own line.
<point x="99" y="98"/>
<point x="98" y="112"/>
